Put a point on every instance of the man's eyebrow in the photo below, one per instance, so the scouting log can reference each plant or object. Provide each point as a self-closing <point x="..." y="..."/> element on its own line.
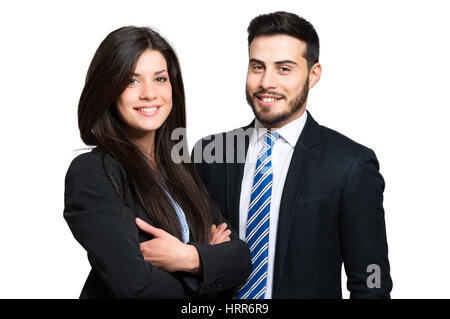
<point x="286" y="62"/>
<point x="252" y="60"/>
<point x="156" y="73"/>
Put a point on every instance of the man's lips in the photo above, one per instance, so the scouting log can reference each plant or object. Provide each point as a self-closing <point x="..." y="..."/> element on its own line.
<point x="268" y="99"/>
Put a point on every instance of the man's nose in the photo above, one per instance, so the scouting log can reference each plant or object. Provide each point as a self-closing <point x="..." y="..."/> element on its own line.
<point x="268" y="80"/>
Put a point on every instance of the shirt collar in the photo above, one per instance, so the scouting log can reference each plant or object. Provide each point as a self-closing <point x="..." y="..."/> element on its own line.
<point x="290" y="132"/>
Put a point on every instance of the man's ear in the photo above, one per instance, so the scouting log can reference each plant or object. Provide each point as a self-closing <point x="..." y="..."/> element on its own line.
<point x="314" y="74"/>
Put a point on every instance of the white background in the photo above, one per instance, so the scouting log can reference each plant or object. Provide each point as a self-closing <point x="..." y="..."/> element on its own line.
<point x="385" y="84"/>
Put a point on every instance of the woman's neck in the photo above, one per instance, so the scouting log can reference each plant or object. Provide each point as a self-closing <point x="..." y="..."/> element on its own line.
<point x="145" y="142"/>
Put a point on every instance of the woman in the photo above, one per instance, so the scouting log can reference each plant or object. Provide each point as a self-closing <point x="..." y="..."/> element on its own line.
<point x="132" y="101"/>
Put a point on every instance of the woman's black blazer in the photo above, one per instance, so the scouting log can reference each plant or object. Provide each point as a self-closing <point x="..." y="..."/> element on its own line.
<point x="106" y="228"/>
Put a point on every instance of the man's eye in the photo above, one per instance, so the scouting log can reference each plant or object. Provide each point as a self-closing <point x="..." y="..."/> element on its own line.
<point x="284" y="69"/>
<point x="257" y="67"/>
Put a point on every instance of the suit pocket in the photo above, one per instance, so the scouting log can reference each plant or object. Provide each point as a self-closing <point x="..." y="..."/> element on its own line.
<point x="316" y="194"/>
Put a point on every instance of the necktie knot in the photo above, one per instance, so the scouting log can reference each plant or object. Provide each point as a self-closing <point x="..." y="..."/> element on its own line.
<point x="271" y="138"/>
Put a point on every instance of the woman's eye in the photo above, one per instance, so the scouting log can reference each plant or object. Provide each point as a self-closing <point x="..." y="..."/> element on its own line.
<point x="161" y="79"/>
<point x="133" y="81"/>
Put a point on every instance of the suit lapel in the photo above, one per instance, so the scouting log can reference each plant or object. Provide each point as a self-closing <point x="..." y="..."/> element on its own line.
<point x="302" y="158"/>
<point x="235" y="171"/>
<point x="305" y="152"/>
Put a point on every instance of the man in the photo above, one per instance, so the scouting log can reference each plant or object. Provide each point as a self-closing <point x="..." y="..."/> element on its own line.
<point x="305" y="198"/>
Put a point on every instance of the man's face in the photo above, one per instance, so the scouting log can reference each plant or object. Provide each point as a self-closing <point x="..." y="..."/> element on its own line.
<point x="277" y="79"/>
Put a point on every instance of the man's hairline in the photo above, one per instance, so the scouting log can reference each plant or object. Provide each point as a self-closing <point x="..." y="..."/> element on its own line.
<point x="305" y="53"/>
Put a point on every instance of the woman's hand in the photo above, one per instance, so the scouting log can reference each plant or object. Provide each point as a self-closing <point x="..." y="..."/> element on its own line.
<point x="219" y="234"/>
<point x="168" y="252"/>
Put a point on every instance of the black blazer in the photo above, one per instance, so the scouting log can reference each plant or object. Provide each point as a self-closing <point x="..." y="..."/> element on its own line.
<point x="331" y="212"/>
<point x="107" y="230"/>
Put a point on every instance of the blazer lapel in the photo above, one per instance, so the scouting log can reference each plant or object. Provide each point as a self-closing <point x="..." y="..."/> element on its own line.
<point x="235" y="171"/>
<point x="302" y="158"/>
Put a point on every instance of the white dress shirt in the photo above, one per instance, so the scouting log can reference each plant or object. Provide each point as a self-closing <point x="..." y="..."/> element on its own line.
<point x="281" y="158"/>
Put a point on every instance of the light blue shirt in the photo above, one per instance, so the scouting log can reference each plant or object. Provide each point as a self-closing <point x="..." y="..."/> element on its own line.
<point x="182" y="218"/>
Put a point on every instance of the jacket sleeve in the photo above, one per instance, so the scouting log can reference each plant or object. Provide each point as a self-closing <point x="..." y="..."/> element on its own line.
<point x="225" y="266"/>
<point x="93" y="211"/>
<point x="363" y="231"/>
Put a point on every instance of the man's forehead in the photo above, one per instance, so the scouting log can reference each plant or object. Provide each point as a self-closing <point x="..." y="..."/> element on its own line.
<point x="279" y="47"/>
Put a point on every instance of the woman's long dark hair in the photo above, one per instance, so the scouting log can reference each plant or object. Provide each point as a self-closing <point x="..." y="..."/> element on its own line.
<point x="109" y="74"/>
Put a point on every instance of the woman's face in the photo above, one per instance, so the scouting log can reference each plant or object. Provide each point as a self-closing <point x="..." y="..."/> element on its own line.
<point x="147" y="101"/>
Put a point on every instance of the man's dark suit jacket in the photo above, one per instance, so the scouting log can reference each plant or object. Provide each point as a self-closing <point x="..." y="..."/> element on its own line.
<point x="106" y="229"/>
<point x="331" y="212"/>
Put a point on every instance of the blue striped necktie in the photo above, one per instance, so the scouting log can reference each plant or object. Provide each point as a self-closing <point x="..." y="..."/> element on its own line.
<point x="257" y="232"/>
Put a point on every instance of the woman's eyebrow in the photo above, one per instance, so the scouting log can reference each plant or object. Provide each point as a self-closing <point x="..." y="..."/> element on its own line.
<point x="159" y="72"/>
<point x="156" y="73"/>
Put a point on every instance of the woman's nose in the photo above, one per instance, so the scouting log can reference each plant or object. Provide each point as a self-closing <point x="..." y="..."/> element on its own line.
<point x="148" y="92"/>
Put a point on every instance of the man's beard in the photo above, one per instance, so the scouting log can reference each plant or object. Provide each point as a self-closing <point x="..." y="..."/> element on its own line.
<point x="271" y="119"/>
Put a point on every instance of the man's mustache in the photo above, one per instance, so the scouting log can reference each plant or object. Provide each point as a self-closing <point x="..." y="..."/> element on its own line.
<point x="272" y="93"/>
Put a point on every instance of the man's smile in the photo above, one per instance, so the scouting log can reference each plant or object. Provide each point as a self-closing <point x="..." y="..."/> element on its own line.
<point x="267" y="100"/>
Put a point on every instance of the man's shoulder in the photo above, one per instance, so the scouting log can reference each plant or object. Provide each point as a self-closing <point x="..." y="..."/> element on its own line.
<point x="233" y="132"/>
<point x="222" y="148"/>
<point x="332" y="141"/>
<point x="340" y="144"/>
<point x="240" y="132"/>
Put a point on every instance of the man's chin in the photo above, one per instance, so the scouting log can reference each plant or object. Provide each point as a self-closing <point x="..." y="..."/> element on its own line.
<point x="270" y="116"/>
<point x="270" y="119"/>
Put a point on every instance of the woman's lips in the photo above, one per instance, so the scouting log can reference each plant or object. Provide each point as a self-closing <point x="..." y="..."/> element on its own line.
<point x="148" y="111"/>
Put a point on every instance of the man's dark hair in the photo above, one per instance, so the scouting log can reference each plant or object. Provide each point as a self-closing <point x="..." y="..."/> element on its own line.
<point x="281" y="22"/>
